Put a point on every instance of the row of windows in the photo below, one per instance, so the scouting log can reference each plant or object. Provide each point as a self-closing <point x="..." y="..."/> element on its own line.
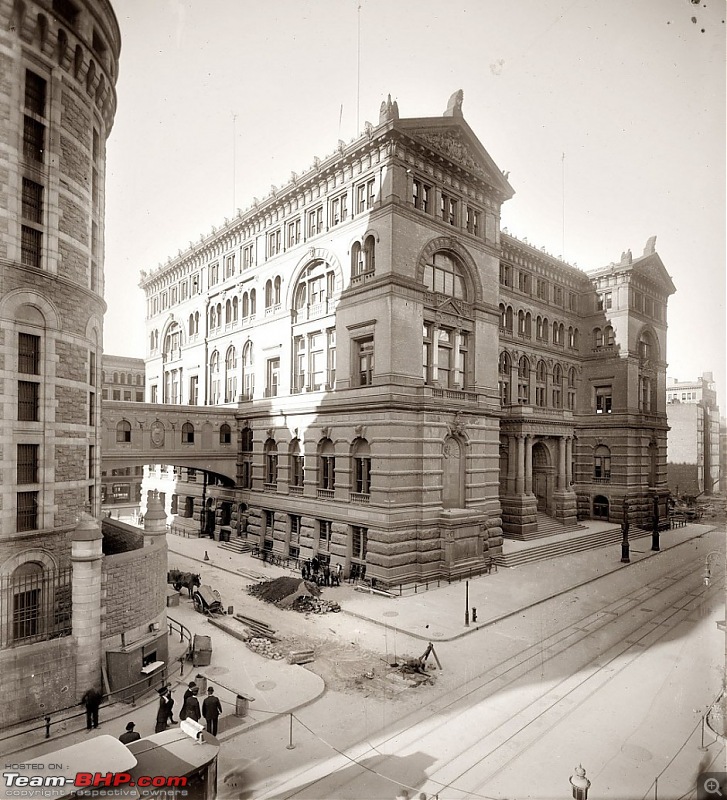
<point x="560" y="336"/>
<point x="123" y="433"/>
<point x="124" y="378"/>
<point x="450" y="209"/>
<point x="537" y="287"/>
<point x="358" y="538"/>
<point x="116" y="394"/>
<point x="543" y="379"/>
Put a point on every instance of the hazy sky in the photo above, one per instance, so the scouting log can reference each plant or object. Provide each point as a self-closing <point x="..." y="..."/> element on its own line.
<point x="633" y="93"/>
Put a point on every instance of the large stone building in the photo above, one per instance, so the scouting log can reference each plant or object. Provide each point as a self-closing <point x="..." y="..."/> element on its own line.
<point x="412" y="383"/>
<point x="64" y="585"/>
<point x="694" y="457"/>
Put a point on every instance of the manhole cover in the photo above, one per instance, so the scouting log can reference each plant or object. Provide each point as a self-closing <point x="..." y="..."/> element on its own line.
<point x="390" y="614"/>
<point x="218" y="670"/>
<point x="636" y="753"/>
<point x="265" y="686"/>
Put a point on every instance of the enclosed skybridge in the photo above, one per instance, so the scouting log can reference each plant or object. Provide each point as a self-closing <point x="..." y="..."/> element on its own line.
<point x="196" y="437"/>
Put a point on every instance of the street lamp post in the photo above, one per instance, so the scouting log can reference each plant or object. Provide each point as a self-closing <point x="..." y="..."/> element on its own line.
<point x="467" y="603"/>
<point x="655" y="525"/>
<point x="625" y="533"/>
<point x="580" y="784"/>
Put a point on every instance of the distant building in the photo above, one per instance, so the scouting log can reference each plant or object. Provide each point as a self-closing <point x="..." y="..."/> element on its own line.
<point x="123" y="378"/>
<point x="694" y="451"/>
<point x="411" y="383"/>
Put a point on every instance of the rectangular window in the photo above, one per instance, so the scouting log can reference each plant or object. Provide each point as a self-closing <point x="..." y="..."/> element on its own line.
<point x="35" y="93"/>
<point x="421" y="193"/>
<point x="365" y="196"/>
<point x="92" y="408"/>
<point x="607" y="300"/>
<point x="28" y="406"/>
<point x="229" y="266"/>
<point x="247" y="256"/>
<point x="331" y="359"/>
<point x="92" y="367"/>
<point x="272" y="377"/>
<point x="274" y="243"/>
<point x="359" y="542"/>
<point x="91" y="460"/>
<point x="542" y="289"/>
<point x="294" y="233"/>
<point x="603" y="399"/>
<point x="33" y="139"/>
<point x="523" y="281"/>
<point x="294" y="540"/>
<point x="194" y="390"/>
<point x="324" y="536"/>
<point x="27" y="511"/>
<point x="27" y="468"/>
<point x="30" y="246"/>
<point x="32" y="201"/>
<point x="339" y="209"/>
<point x="448" y="207"/>
<point x="365" y="361"/>
<point x="474" y="221"/>
<point x="572" y="301"/>
<point x="505" y="277"/>
<point x="315" y="221"/>
<point x="28" y="354"/>
<point x="213" y="274"/>
<point x="558" y="295"/>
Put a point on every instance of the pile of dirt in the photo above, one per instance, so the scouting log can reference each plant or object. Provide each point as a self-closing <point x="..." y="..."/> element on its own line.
<point x="284" y="591"/>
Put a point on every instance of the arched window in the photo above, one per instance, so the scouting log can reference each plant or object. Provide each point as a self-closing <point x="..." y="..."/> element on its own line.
<point x="369" y="254"/>
<point x="571" y="338"/>
<point x="213" y="317"/>
<point x="504" y="369"/>
<point x="196" y="322"/>
<point x="295" y="466"/>
<point x="539" y="328"/>
<point x="123" y="431"/>
<point x="219" y="315"/>
<point x="608" y="336"/>
<point x="576" y="343"/>
<point x="453" y="476"/>
<point x="444" y="275"/>
<point x="189" y="507"/>
<point x="540" y="383"/>
<point x="276" y="290"/>
<point x="245" y="305"/>
<point x="271" y="462"/>
<point x="561" y="333"/>
<point x="314" y="290"/>
<point x="597" y="338"/>
<point x="228" y="312"/>
<point x="230" y="375"/>
<point x="557" y="386"/>
<point x="546" y="328"/>
<point x="253" y="302"/>
<point x="361" y="466"/>
<point x="508" y="319"/>
<point x="503" y="316"/>
<point x="225" y="434"/>
<point x="523" y="381"/>
<point x="28" y="601"/>
<point x="172" y="343"/>
<point x="191" y="324"/>
<point x="268" y="294"/>
<point x="521" y="322"/>
<point x="129" y="378"/>
<point x="357" y="260"/>
<point x="555" y="333"/>
<point x="138" y="380"/>
<point x="528" y="324"/>
<point x="116" y="377"/>
<point x="235" y="306"/>
<point x="248" y="376"/>
<point x="214" y="378"/>
<point x="602" y="464"/>
<point x="123" y="378"/>
<point x="187" y="433"/>
<point x="326" y="466"/>
<point x="572" y="389"/>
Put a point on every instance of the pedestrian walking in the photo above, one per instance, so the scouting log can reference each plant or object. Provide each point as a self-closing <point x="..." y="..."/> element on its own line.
<point x="170" y="707"/>
<point x="211" y="710"/>
<point x="191" y="708"/>
<point x="162" y="711"/>
<point x="92" y="700"/>
<point x="131" y="735"/>
<point x="188" y="692"/>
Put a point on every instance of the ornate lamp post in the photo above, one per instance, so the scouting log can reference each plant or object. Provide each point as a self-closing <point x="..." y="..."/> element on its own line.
<point x="625" y="533"/>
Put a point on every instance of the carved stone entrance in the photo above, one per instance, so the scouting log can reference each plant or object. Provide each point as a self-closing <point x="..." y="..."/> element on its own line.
<point x="543" y="477"/>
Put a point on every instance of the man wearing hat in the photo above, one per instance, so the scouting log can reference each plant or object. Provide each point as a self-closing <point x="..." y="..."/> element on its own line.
<point x="163" y="710"/>
<point x="131" y="735"/>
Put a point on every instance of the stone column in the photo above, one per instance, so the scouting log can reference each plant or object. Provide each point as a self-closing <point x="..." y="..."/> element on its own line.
<point x="155" y="519"/>
<point x="86" y="556"/>
<point x="568" y="461"/>
<point x="561" y="463"/>
<point x="520" y="478"/>
<point x="511" y="463"/>
<point x="528" y="464"/>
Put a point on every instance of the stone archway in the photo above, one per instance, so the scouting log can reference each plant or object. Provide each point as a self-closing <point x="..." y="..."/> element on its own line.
<point x="543" y="477"/>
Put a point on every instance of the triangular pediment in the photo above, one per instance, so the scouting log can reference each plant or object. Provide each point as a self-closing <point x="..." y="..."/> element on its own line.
<point x="652" y="269"/>
<point x="452" y="138"/>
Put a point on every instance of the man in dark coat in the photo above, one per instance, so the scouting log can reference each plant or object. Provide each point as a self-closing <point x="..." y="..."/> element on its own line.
<point x="188" y="692"/>
<point x="131" y="735"/>
<point x="211" y="710"/>
<point x="162" y="711"/>
<point x="92" y="700"/>
<point x="191" y="708"/>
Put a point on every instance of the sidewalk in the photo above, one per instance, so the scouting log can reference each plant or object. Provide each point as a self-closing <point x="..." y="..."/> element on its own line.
<point x="436" y="613"/>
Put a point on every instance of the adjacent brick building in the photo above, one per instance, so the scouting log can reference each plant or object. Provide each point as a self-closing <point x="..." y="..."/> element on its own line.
<point x="412" y="383"/>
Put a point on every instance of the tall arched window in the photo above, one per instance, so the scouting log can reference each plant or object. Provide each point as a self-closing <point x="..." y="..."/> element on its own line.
<point x="225" y="434"/>
<point x="191" y="324"/>
<point x="213" y="317"/>
<point x="326" y="466"/>
<point x="523" y="381"/>
<point x="268" y="294"/>
<point x="557" y="386"/>
<point x="271" y="462"/>
<point x="572" y="388"/>
<point x="214" y="384"/>
<point x="276" y="290"/>
<point x="602" y="464"/>
<point x="196" y="322"/>
<point x="123" y="431"/>
<point x="504" y="369"/>
<point x="357" y="260"/>
<point x="235" y="305"/>
<point x="369" y="254"/>
<point x="314" y="290"/>
<point x="539" y="328"/>
<point x="444" y="275"/>
<point x="228" y="312"/>
<point x="187" y="433"/>
<point x="608" y="336"/>
<point x="253" y="302"/>
<point x="295" y="466"/>
<point x="503" y="316"/>
<point x="521" y="322"/>
<point x="246" y="446"/>
<point x="361" y="466"/>
<point x="453" y="476"/>
<point x="597" y="338"/>
<point x="230" y="375"/>
<point x="540" y="383"/>
<point x="172" y="343"/>
<point x="546" y="328"/>
<point x="508" y="319"/>
<point x="245" y="305"/>
<point x="248" y="376"/>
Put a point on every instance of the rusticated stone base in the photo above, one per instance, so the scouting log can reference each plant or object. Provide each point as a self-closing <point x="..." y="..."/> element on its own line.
<point x="519" y="516"/>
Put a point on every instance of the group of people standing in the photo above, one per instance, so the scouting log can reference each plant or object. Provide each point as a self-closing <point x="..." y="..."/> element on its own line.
<point x="211" y="708"/>
<point x="321" y="574"/>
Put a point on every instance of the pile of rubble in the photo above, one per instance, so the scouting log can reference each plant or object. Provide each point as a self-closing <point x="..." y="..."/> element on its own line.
<point x="287" y="592"/>
<point x="263" y="647"/>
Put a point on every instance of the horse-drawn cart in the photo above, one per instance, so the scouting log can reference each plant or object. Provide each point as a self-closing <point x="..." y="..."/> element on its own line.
<point x="207" y="600"/>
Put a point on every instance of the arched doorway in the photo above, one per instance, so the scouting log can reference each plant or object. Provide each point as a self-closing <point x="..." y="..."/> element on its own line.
<point x="542" y="477"/>
<point x="600" y="507"/>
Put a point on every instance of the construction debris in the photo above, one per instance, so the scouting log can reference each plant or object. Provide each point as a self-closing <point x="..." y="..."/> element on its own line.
<point x="295" y="593"/>
<point x="263" y="647"/>
<point x="301" y="656"/>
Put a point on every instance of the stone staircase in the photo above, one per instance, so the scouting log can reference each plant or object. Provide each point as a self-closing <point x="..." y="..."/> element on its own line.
<point x="561" y="545"/>
<point x="547" y="526"/>
<point x="236" y="546"/>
